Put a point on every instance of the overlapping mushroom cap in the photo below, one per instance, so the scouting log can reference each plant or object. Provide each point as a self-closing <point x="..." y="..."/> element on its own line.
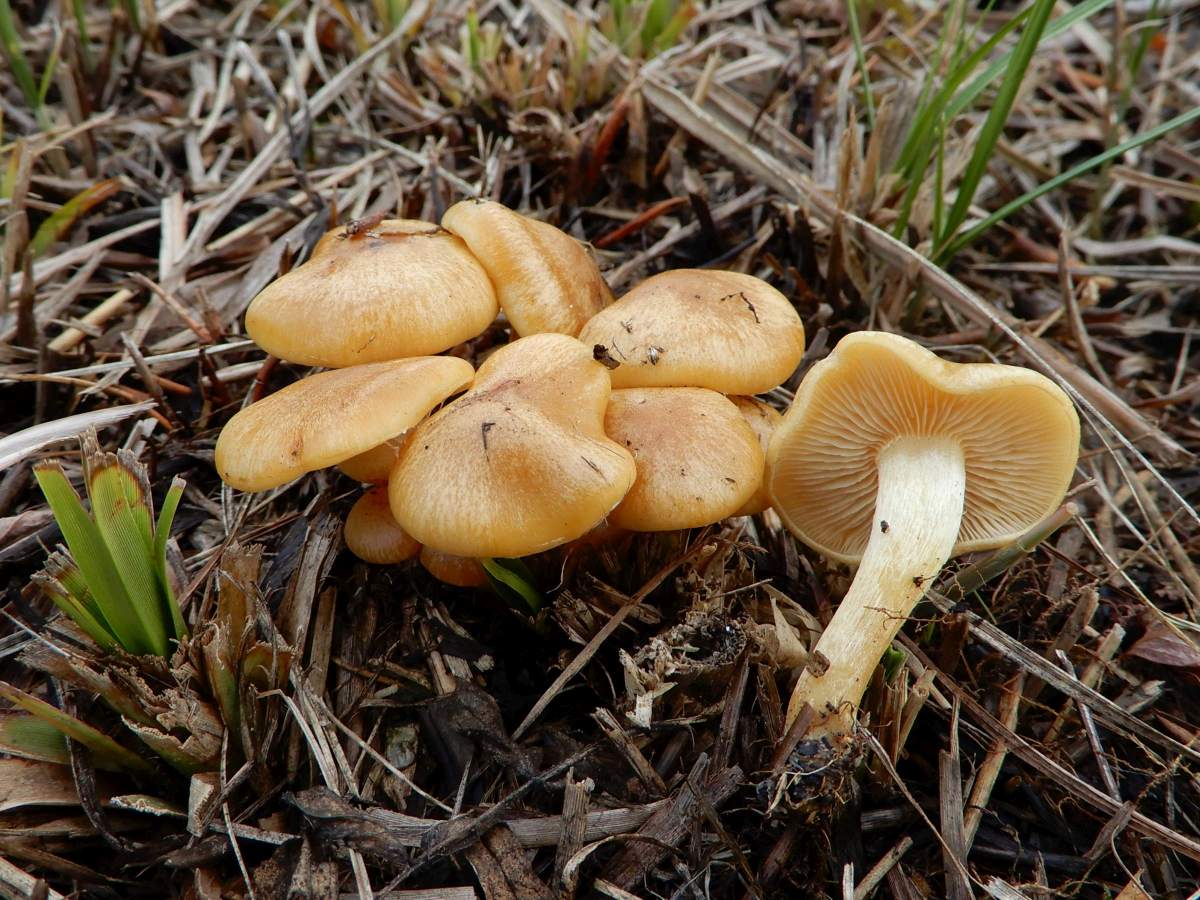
<point x="375" y="465"/>
<point x="725" y="331"/>
<point x="331" y="417"/>
<point x="518" y="464"/>
<point x="399" y="289"/>
<point x="698" y="460"/>
<point x="1018" y="432"/>
<point x="460" y="571"/>
<point x="372" y="534"/>
<point x="763" y="419"/>
<point x="546" y="280"/>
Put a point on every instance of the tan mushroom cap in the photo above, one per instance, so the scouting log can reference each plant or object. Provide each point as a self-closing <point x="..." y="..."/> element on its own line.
<point x="329" y="417"/>
<point x="545" y="279"/>
<point x="763" y="419"/>
<point x="372" y="534"/>
<point x="375" y="465"/>
<point x="1018" y="432"/>
<point x="400" y="289"/>
<point x="698" y="461"/>
<point x="460" y="571"/>
<point x="726" y="331"/>
<point x="518" y="464"/>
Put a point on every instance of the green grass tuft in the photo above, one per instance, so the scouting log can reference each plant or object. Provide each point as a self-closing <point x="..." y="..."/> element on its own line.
<point x="115" y="583"/>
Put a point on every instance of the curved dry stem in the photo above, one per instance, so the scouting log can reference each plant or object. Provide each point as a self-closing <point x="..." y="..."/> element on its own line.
<point x="918" y="510"/>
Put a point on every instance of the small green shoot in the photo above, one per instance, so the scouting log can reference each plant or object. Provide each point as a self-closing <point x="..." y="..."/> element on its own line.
<point x="512" y="580"/>
<point x="391" y="13"/>
<point x="115" y="583"/>
<point x="481" y="43"/>
<point x="893" y="661"/>
<point x="644" y="30"/>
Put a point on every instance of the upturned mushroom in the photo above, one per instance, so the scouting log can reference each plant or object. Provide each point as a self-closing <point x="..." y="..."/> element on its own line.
<point x="398" y="289"/>
<point x="372" y="534"/>
<point x="724" y="331"/>
<point x="518" y="464"/>
<point x="895" y="460"/>
<point x="332" y="416"/>
<point x="546" y="280"/>
<point x="698" y="460"/>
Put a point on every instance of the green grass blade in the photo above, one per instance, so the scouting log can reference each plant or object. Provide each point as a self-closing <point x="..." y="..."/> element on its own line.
<point x="62" y="569"/>
<point x="74" y="608"/>
<point x="511" y="579"/>
<point x="932" y="135"/>
<point x="10" y="41"/>
<point x="104" y="747"/>
<point x="162" y="534"/>
<point x="861" y="59"/>
<point x="654" y="19"/>
<point x="91" y="555"/>
<point x="1058" y="180"/>
<point x="59" y="222"/>
<point x="135" y="14"/>
<point x="79" y="10"/>
<point x="48" y="74"/>
<point x="993" y="126"/>
<point x="8" y="178"/>
<point x="669" y="36"/>
<point x="121" y="507"/>
<point x="29" y="737"/>
<point x="967" y="96"/>
<point x="929" y="112"/>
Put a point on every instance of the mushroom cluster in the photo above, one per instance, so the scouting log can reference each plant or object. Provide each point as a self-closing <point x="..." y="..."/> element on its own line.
<point x="637" y="412"/>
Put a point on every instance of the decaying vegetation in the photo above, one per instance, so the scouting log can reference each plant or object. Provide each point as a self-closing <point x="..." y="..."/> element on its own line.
<point x="1012" y="184"/>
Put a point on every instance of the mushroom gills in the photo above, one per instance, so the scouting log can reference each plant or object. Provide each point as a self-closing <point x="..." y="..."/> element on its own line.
<point x="921" y="492"/>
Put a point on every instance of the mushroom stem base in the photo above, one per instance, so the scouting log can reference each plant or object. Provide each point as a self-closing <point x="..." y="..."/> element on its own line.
<point x="918" y="512"/>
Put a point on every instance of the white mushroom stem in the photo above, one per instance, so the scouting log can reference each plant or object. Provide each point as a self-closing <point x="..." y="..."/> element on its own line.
<point x="918" y="511"/>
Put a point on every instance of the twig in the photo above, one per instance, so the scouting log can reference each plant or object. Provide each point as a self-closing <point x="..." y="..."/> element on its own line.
<point x="1089" y="727"/>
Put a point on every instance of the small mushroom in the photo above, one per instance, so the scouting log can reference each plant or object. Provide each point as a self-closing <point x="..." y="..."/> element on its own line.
<point x="763" y="419"/>
<point x="725" y="331"/>
<point x="459" y="571"/>
<point x="896" y="460"/>
<point x="400" y="289"/>
<point x="518" y="464"/>
<point x="373" y="466"/>
<point x="332" y="416"/>
<point x="545" y="279"/>
<point x="698" y="461"/>
<point x="372" y="534"/>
